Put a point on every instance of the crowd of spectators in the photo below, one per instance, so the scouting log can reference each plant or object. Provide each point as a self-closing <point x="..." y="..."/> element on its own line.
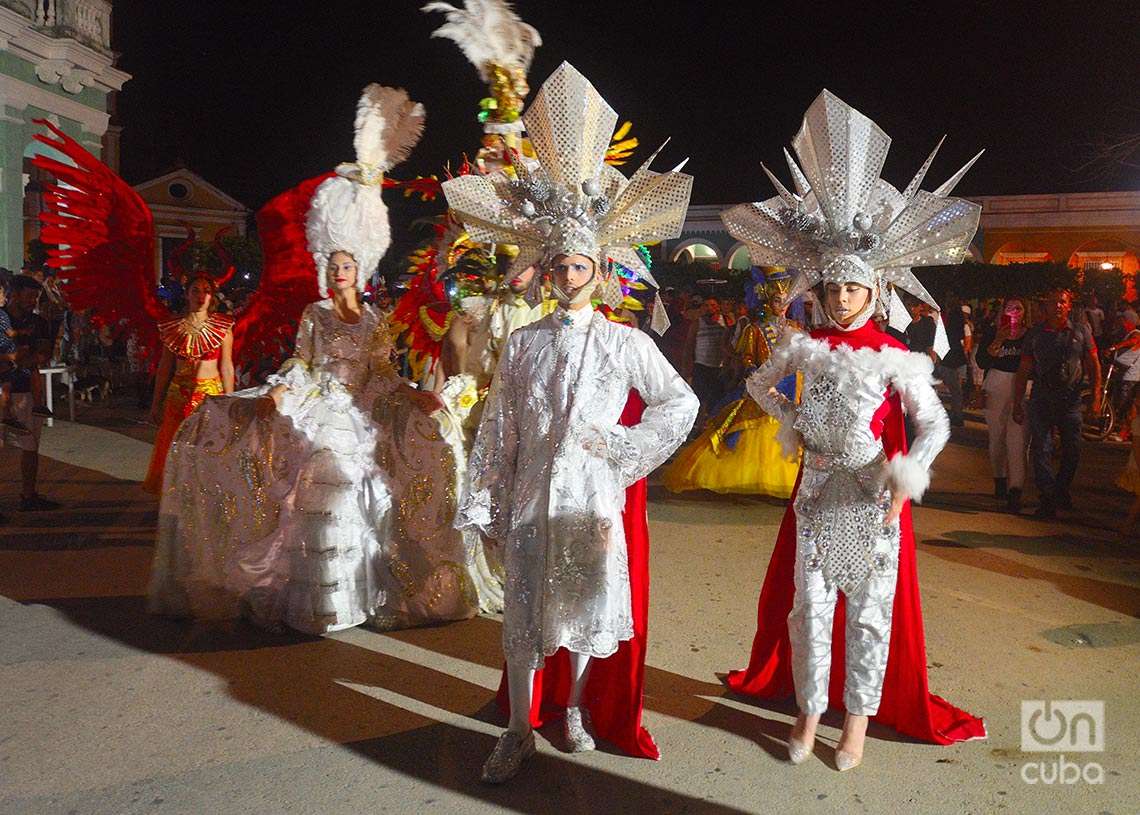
<point x="1034" y="366"/>
<point x="1031" y="365"/>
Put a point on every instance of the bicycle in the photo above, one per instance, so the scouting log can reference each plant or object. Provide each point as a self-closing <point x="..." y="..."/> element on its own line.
<point x="1099" y="426"/>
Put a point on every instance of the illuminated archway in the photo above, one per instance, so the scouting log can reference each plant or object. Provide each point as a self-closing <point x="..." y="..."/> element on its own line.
<point x="1019" y="252"/>
<point x="738" y="258"/>
<point x="1105" y="254"/>
<point x="696" y="250"/>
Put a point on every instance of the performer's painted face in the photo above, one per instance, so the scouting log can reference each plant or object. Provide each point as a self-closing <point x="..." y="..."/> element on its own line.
<point x="341" y="271"/>
<point x="846" y="301"/>
<point x="199" y="295"/>
<point x="573" y="278"/>
<point x="521" y="281"/>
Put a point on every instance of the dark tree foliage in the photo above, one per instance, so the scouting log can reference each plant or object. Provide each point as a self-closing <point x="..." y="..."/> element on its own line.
<point x="984" y="281"/>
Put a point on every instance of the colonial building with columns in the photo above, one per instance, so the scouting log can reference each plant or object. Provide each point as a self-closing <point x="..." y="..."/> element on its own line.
<point x="56" y="63"/>
<point x="1084" y="230"/>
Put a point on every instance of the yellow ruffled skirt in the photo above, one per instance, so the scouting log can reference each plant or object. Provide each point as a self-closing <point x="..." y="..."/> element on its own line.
<point x="756" y="466"/>
<point x="183" y="396"/>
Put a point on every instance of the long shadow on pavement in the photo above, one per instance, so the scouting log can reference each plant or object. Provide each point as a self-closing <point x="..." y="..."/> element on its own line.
<point x="306" y="681"/>
<point x="964" y="548"/>
<point x="671" y="694"/>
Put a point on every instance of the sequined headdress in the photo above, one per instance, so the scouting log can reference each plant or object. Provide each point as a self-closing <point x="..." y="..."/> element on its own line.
<point x="570" y="201"/>
<point x="844" y="223"/>
<point x="347" y="212"/>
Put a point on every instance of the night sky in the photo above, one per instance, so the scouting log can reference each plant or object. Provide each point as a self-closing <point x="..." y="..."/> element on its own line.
<point x="257" y="95"/>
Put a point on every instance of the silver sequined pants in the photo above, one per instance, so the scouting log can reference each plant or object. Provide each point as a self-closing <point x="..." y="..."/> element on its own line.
<point x="868" y="638"/>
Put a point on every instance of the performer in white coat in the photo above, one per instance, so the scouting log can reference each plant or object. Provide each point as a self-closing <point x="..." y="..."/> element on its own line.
<point x="550" y="465"/>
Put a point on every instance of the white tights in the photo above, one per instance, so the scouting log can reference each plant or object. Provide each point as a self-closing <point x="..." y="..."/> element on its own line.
<point x="520" y="689"/>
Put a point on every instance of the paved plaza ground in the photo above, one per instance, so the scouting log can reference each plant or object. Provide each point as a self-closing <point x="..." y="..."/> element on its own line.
<point x="105" y="709"/>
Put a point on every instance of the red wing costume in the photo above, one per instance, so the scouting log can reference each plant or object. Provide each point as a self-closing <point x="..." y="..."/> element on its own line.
<point x="102" y="233"/>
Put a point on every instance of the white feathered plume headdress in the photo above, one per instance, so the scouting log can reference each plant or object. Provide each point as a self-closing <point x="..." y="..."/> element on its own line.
<point x="347" y="212"/>
<point x="844" y="223"/>
<point x="500" y="46"/>
<point x="570" y="201"/>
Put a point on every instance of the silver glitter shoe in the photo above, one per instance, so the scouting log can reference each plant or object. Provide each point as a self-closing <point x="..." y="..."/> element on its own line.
<point x="845" y="761"/>
<point x="577" y="739"/>
<point x="510" y="752"/>
<point x="798" y="751"/>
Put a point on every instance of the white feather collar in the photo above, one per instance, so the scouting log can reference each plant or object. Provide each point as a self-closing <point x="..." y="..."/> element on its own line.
<point x="900" y="368"/>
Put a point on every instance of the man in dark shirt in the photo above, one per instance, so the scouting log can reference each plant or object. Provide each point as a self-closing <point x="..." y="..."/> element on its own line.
<point x="1060" y="355"/>
<point x="33" y="349"/>
<point x="952" y="368"/>
<point x="920" y="332"/>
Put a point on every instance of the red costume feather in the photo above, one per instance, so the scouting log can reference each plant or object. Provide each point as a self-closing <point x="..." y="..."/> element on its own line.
<point x="266" y="325"/>
<point x="421" y="315"/>
<point x="102" y="233"/>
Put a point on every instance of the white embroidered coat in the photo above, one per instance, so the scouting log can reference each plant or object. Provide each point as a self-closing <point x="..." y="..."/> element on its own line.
<point x="555" y="506"/>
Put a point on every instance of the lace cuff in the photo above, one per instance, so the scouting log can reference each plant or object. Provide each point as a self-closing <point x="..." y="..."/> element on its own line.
<point x="298" y="384"/>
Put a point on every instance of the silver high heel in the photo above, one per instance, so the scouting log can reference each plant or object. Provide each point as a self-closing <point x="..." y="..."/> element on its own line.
<point x="799" y="751"/>
<point x="846" y="761"/>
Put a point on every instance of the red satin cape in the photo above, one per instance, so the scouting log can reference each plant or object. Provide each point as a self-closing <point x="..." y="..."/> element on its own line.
<point x="615" y="686"/>
<point x="907" y="704"/>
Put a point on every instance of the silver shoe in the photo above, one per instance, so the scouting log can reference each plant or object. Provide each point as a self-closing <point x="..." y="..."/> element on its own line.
<point x="798" y="751"/>
<point x="577" y="739"/>
<point x="510" y="752"/>
<point x="845" y="761"/>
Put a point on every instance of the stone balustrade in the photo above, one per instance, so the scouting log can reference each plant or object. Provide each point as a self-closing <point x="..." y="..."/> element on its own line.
<point x="88" y="21"/>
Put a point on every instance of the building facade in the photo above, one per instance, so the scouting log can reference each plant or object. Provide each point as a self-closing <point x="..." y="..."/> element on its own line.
<point x="1082" y="230"/>
<point x="181" y="199"/>
<point x="56" y="63"/>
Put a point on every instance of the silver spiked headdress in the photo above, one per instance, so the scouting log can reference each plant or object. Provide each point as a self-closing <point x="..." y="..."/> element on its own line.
<point x="570" y="201"/>
<point x="844" y="223"/>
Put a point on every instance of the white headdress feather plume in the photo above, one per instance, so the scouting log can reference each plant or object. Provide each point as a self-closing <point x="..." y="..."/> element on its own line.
<point x="488" y="32"/>
<point x="347" y="211"/>
<point x="388" y="125"/>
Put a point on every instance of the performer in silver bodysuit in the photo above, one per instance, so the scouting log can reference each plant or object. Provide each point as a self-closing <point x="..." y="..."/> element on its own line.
<point x="853" y="237"/>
